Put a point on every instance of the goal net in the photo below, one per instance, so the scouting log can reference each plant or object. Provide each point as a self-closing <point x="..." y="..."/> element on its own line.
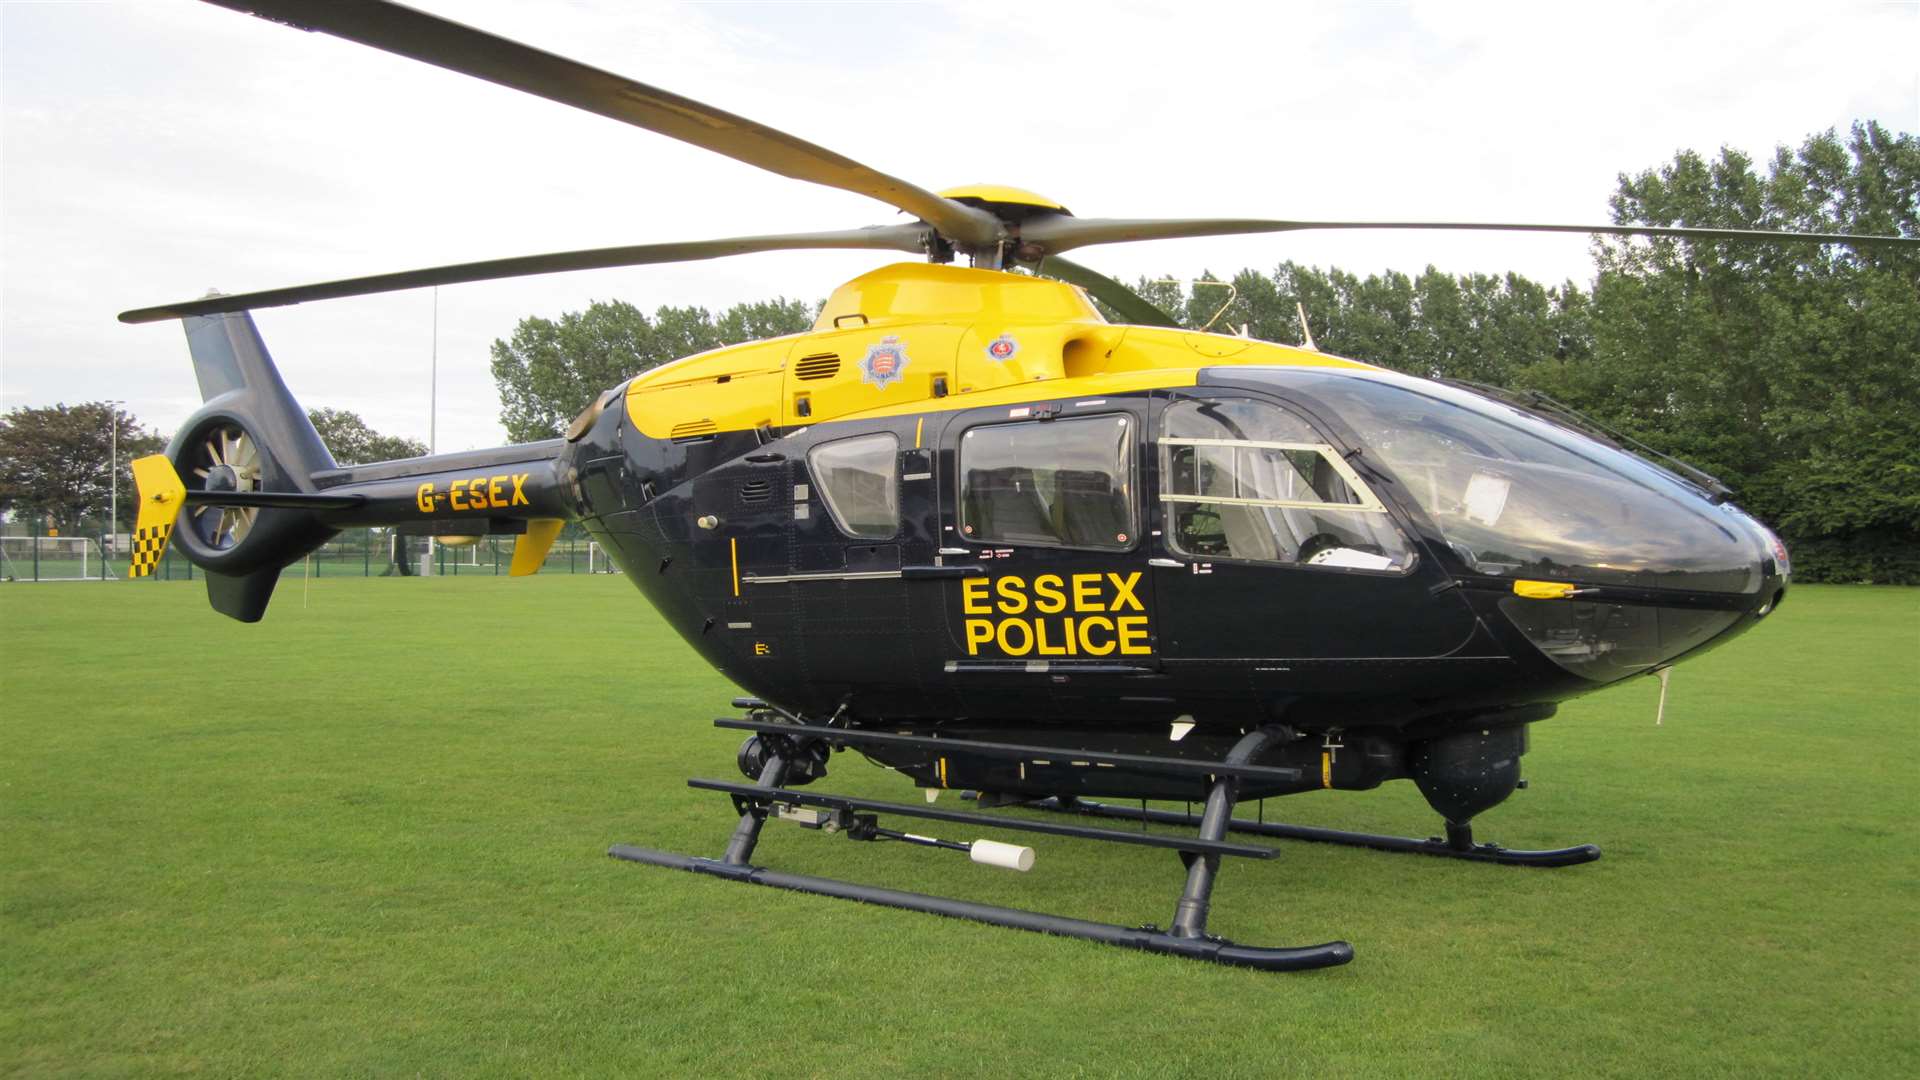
<point x="50" y="558"/>
<point x="597" y="561"/>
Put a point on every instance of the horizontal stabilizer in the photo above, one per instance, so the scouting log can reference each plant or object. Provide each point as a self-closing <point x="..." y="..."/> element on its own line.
<point x="161" y="495"/>
<point x="284" y="500"/>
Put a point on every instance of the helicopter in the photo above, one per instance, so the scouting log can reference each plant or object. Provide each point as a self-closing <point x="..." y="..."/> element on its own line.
<point x="972" y="529"/>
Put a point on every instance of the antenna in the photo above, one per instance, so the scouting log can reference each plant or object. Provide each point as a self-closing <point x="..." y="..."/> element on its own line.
<point x="1306" y="334"/>
<point x="1233" y="293"/>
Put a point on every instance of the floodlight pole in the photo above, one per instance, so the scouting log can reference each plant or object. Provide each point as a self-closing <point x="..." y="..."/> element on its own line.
<point x="113" y="480"/>
<point x="433" y="411"/>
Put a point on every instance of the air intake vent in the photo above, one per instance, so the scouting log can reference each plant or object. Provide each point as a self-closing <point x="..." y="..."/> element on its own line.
<point x="820" y="366"/>
<point x="692" y="429"/>
<point x="756" y="491"/>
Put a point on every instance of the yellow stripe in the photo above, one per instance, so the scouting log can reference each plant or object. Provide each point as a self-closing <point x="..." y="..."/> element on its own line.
<point x="1542" y="590"/>
<point x="1326" y="769"/>
<point x="917" y="425"/>
<point x="733" y="545"/>
<point x="943" y="772"/>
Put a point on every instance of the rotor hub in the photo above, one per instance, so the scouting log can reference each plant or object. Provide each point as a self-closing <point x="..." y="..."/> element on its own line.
<point x="1010" y="204"/>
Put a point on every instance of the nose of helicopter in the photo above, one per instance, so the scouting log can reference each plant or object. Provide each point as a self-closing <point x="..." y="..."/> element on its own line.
<point x="1612" y="564"/>
<point x="1609" y="633"/>
<point x="1605" y="634"/>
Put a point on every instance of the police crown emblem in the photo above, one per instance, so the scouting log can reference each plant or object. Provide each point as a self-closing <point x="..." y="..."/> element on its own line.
<point x="884" y="362"/>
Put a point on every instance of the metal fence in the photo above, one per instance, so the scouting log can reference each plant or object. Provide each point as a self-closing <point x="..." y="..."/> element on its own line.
<point x="357" y="553"/>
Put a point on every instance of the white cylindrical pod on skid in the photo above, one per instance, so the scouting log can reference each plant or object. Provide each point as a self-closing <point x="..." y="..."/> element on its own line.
<point x="995" y="853"/>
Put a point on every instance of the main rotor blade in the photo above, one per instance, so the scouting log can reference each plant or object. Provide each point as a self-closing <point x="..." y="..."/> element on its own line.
<point x="1129" y="304"/>
<point x="1055" y="234"/>
<point x="443" y="43"/>
<point x="910" y="238"/>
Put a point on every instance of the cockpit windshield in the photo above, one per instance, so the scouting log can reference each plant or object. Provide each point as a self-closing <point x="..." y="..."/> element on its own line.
<point x="1516" y="496"/>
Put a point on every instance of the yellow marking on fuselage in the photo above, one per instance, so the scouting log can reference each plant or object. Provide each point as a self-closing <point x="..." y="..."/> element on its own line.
<point x="941" y="317"/>
<point x="472" y="493"/>
<point x="733" y="548"/>
<point x="1072" y="615"/>
<point x="918" y="426"/>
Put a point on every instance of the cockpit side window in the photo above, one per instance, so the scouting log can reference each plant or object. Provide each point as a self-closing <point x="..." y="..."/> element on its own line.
<point x="860" y="480"/>
<point x="1242" y="479"/>
<point x="1062" y="483"/>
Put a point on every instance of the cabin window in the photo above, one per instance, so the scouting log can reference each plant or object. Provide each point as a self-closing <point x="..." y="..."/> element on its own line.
<point x="1242" y="479"/>
<point x="859" y="479"/>
<point x="1060" y="483"/>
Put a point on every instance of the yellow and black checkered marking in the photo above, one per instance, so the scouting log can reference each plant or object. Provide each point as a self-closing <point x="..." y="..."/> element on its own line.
<point x="161" y="497"/>
<point x="149" y="545"/>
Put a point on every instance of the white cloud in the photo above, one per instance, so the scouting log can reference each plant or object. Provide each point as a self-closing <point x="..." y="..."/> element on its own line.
<point x="151" y="150"/>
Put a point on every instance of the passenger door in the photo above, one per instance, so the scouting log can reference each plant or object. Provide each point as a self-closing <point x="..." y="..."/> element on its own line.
<point x="1046" y="506"/>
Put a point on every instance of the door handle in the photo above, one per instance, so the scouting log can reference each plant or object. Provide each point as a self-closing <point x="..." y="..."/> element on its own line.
<point x="1174" y="564"/>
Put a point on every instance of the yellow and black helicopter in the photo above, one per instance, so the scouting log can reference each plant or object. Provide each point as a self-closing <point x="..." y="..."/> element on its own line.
<point x="974" y="530"/>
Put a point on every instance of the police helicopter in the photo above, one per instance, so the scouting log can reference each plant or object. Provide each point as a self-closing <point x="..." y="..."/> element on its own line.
<point x="975" y="531"/>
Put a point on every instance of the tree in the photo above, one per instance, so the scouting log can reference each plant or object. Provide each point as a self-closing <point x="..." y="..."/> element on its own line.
<point x="1792" y="371"/>
<point x="54" y="463"/>
<point x="354" y="443"/>
<point x="550" y="370"/>
<point x="1479" y="327"/>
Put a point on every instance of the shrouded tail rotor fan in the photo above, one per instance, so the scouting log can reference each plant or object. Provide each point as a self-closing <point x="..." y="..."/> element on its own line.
<point x="224" y="457"/>
<point x="225" y="451"/>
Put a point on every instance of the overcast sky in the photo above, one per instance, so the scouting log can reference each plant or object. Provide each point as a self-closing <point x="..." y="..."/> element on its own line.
<point x="153" y="149"/>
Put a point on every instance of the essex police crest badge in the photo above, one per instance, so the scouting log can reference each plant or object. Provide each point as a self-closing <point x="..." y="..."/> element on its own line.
<point x="1002" y="348"/>
<point x="884" y="362"/>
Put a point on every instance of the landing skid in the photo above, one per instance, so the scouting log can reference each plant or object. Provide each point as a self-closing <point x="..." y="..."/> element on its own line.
<point x="857" y="818"/>
<point x="1458" y="843"/>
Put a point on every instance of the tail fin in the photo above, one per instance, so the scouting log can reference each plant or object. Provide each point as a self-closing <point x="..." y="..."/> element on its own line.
<point x="250" y="436"/>
<point x="237" y="374"/>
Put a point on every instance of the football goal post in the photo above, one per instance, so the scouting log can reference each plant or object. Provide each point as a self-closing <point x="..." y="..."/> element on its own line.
<point x="597" y="561"/>
<point x="50" y="558"/>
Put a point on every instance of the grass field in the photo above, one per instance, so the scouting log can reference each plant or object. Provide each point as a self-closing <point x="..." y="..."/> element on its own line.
<point x="367" y="836"/>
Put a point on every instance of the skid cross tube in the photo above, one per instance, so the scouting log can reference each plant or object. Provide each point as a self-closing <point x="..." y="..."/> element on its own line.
<point x="1022" y="752"/>
<point x="1487" y="853"/>
<point x="761" y="795"/>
